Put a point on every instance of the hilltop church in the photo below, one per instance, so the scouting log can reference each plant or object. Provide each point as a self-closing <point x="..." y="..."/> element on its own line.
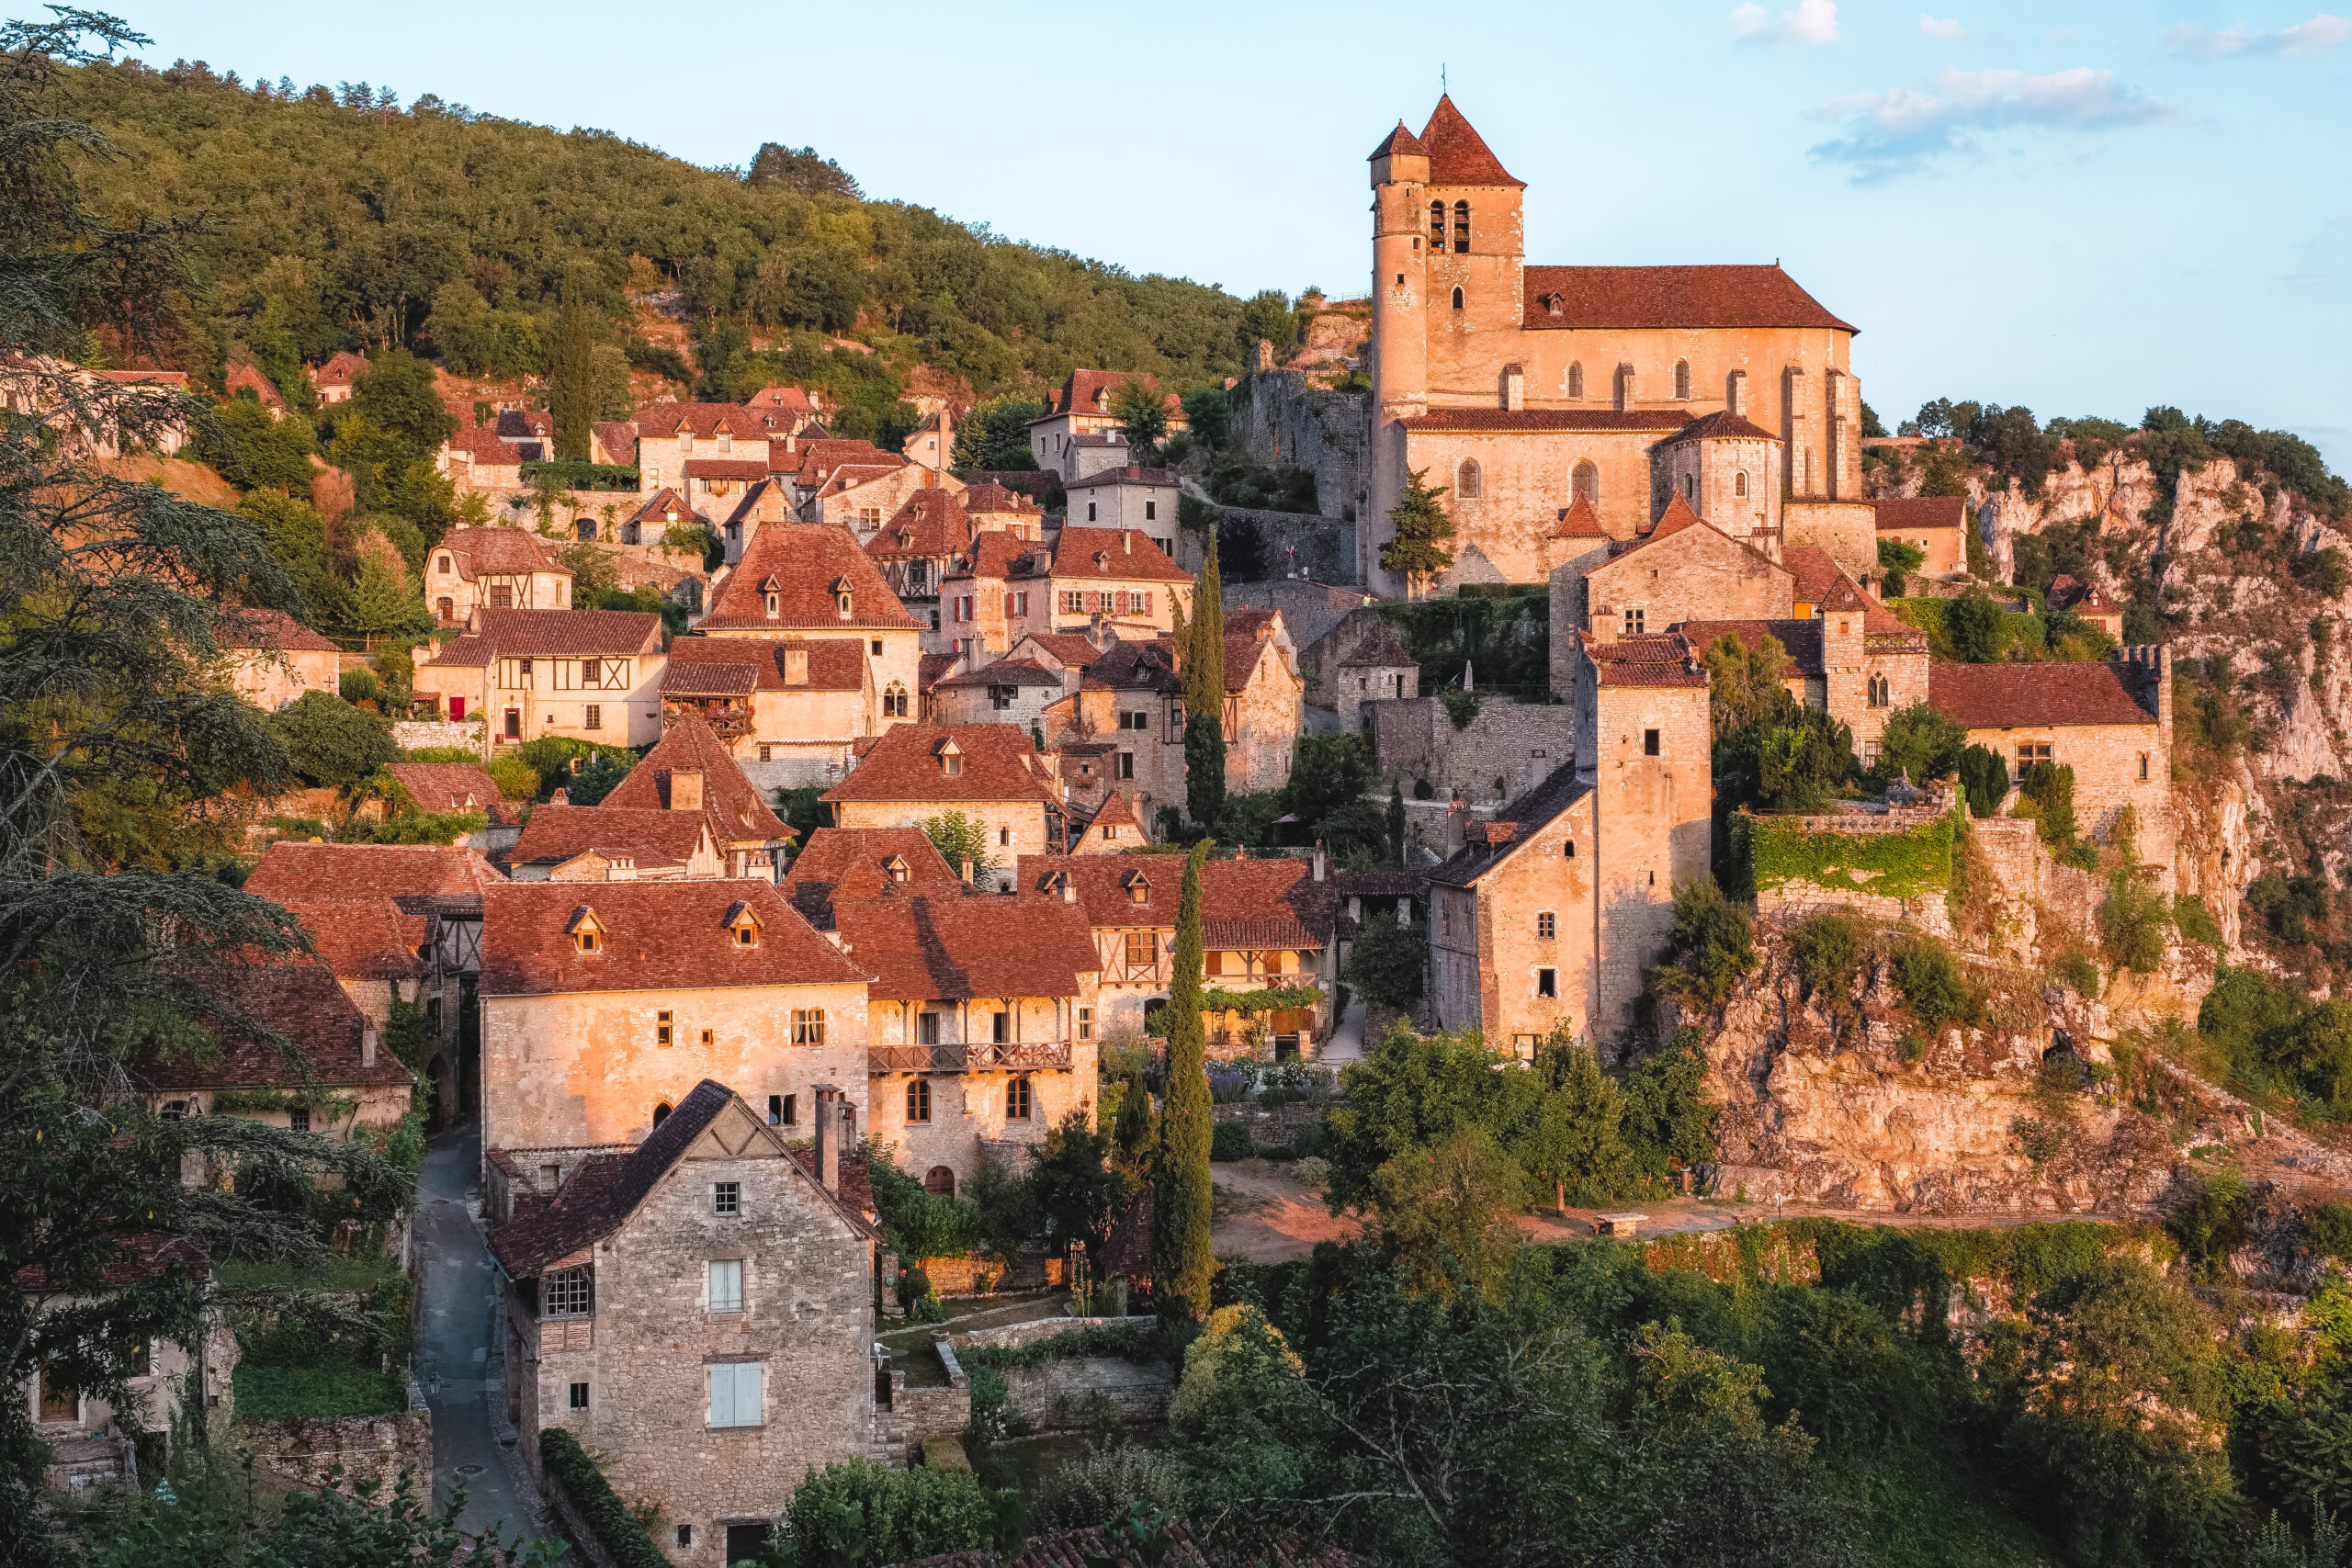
<point x="1560" y="405"/>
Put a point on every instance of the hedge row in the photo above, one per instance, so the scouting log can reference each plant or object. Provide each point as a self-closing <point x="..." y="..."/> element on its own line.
<point x="594" y="1499"/>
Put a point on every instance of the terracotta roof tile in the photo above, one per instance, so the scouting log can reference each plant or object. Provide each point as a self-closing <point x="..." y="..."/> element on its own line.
<point x="484" y="447"/>
<point x="854" y="863"/>
<point x="649" y="838"/>
<point x="617" y="437"/>
<point x="302" y="1001"/>
<point x="1905" y="513"/>
<point x="1578" y="521"/>
<point x="1399" y="141"/>
<point x="804" y="561"/>
<point x="2029" y="697"/>
<point x="1094" y="391"/>
<point x="952" y="945"/>
<point x="930" y="522"/>
<point x="1006" y="673"/>
<point x="522" y="424"/>
<point x="1125" y="555"/>
<point x="987" y="496"/>
<point x="657" y="935"/>
<point x="1721" y="426"/>
<point x="1656" y="659"/>
<point x="820" y="457"/>
<point x="699" y="664"/>
<point x="1135" y="666"/>
<point x="662" y="422"/>
<point x="245" y="378"/>
<point x="999" y="554"/>
<point x="137" y="1259"/>
<point x="737" y="812"/>
<point x="451" y="787"/>
<point x="342" y="370"/>
<point x="1379" y="649"/>
<point x="558" y="633"/>
<point x="1626" y="297"/>
<point x="999" y="762"/>
<point x="791" y="399"/>
<point x="1071" y="648"/>
<point x="1529" y="814"/>
<point x="1639" y="421"/>
<point x="500" y="552"/>
<point x="294" y="871"/>
<point x="272" y="630"/>
<point x="1458" y="155"/>
<point x="1243" y="899"/>
<point x="363" y="938"/>
<point x="932" y="667"/>
<point x="725" y="468"/>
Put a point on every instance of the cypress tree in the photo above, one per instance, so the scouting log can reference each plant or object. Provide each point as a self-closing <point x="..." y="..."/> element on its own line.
<point x="571" y="376"/>
<point x="1421" y="523"/>
<point x="1395" y="822"/>
<point x="1204" y="698"/>
<point x="1181" y="1261"/>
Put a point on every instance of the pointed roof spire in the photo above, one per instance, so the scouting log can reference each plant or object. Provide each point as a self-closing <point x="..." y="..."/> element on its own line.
<point x="1399" y="141"/>
<point x="1578" y="522"/>
<point x="1458" y="155"/>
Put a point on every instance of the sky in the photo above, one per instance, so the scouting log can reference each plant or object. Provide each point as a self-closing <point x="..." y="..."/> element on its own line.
<point x="2088" y="209"/>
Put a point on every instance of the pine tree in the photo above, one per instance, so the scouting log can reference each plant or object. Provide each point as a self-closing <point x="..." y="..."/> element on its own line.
<point x="571" y="376"/>
<point x="1396" y="822"/>
<point x="1420" y="523"/>
<point x="1203" y="658"/>
<point x="1181" y="1262"/>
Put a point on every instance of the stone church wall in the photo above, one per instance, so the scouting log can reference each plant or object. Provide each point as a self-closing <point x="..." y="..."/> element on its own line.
<point x="1521" y="743"/>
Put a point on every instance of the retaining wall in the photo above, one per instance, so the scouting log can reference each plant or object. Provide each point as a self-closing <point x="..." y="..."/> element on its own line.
<point x="367" y="1448"/>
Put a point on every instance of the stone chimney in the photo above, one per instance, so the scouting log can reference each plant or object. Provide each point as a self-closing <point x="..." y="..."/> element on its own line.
<point x="1321" y="864"/>
<point x="1069" y="889"/>
<point x="1735" y="394"/>
<point x="685" y="792"/>
<point x="829" y="1136"/>
<point x="561" y="796"/>
<point x="1127" y="541"/>
<point x="368" y="1046"/>
<point x="1454" y="828"/>
<point x="966" y="872"/>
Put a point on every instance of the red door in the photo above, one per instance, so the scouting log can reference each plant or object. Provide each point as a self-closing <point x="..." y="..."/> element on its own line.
<point x="457" y="709"/>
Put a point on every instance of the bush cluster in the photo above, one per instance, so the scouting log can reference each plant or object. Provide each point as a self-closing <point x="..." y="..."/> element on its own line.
<point x="608" y="1518"/>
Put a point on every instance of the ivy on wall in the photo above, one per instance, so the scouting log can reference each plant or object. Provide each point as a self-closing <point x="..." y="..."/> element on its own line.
<point x="1773" y="852"/>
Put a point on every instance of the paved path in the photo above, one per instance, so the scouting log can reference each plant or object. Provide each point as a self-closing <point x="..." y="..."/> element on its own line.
<point x="1346" y="1042"/>
<point x="458" y="1348"/>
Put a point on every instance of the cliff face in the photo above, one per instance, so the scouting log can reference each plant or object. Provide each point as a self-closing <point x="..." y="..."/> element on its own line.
<point x="1845" y="1099"/>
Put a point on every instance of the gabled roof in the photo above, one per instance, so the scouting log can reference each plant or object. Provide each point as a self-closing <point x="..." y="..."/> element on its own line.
<point x="2066" y="593"/>
<point x="449" y="787"/>
<point x="616" y="437"/>
<point x="657" y="936"/>
<point x="1721" y="426"/>
<point x="302" y="1001"/>
<point x="1526" y="818"/>
<point x="1379" y="649"/>
<point x="1070" y="648"/>
<point x="804" y="561"/>
<point x="997" y="553"/>
<point x="649" y="837"/>
<point x="1458" y="155"/>
<point x="662" y="422"/>
<point x="715" y="666"/>
<point x="366" y="937"/>
<point x="1093" y="392"/>
<point x="987" y="496"/>
<point x="342" y="370"/>
<point x="820" y="457"/>
<point x="1606" y="420"/>
<point x="854" y="863"/>
<point x="1126" y="555"/>
<point x="273" y="631"/>
<point x="2032" y="696"/>
<point x="1824" y="584"/>
<point x="484" y="447"/>
<point x="1905" y="512"/>
<point x="603" y="1192"/>
<point x="1578" y="521"/>
<point x="1245" y="904"/>
<point x="498" y="552"/>
<point x="1248" y="635"/>
<point x="745" y="469"/>
<point x="1118" y="811"/>
<point x="737" y="811"/>
<point x="291" y="870"/>
<point x="1654" y="658"/>
<point x="522" y="424"/>
<point x="1655" y="297"/>
<point x="1006" y="673"/>
<point x="1130" y="474"/>
<point x="929" y="524"/>
<point x="945" y="946"/>
<point x="244" y="378"/>
<point x="1132" y="666"/>
<point x="1000" y="762"/>
<point x="557" y="634"/>
<point x="791" y="399"/>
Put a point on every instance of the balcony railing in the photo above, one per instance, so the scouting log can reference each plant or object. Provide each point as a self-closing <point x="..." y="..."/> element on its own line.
<point x="1000" y="1055"/>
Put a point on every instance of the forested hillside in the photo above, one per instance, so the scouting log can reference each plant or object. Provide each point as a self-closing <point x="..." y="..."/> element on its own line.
<point x="332" y="219"/>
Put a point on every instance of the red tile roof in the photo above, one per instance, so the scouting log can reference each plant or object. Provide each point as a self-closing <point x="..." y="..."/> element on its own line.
<point x="1242" y="901"/>
<point x="617" y="437"/>
<point x="1129" y="475"/>
<point x="1903" y="514"/>
<point x="1118" y="811"/>
<point x="820" y="457"/>
<point x="1137" y="666"/>
<point x="930" y="522"/>
<point x="1001" y="555"/>
<point x="931" y="667"/>
<point x="302" y="1001"/>
<point x="804" y="560"/>
<point x="1071" y="648"/>
<point x="364" y="938"/>
<point x="1094" y="391"/>
<point x="343" y="369"/>
<point x="447" y="787"/>
<point x="1379" y="648"/>
<point x="557" y="634"/>
<point x="245" y="378"/>
<point x="293" y="871"/>
<point x="1654" y="296"/>
<point x="2033" y="696"/>
<point x="1578" y="521"/>
<point x="657" y="936"/>
<point x="1000" y="762"/>
<point x="955" y="945"/>
<point x="1721" y="426"/>
<point x="1125" y="555"/>
<point x="1399" y="141"/>
<point x="699" y="665"/>
<point x="273" y="630"/>
<point x="1656" y="659"/>
<point x="483" y="447"/>
<point x="1817" y="575"/>
<point x="662" y="422"/>
<point x="853" y="862"/>
<point x="1006" y="673"/>
<point x="1249" y="634"/>
<point x="521" y="425"/>
<point x="790" y="399"/>
<point x="725" y="468"/>
<point x="501" y="552"/>
<point x="1636" y="421"/>
<point x="1458" y="155"/>
<point x="649" y="838"/>
<point x="987" y="496"/>
<point x="2066" y="593"/>
<point x="738" y="812"/>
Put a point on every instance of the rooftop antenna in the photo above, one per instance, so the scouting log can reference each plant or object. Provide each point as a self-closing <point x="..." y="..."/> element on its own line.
<point x="1442" y="88"/>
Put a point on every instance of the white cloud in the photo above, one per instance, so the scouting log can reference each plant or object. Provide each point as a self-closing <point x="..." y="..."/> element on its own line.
<point x="1943" y="29"/>
<point x="2322" y="32"/>
<point x="1813" y="22"/>
<point x="1903" y="131"/>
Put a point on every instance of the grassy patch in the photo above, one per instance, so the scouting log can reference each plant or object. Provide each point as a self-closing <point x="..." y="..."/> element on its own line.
<point x="339" y="1274"/>
<point x="329" y="1390"/>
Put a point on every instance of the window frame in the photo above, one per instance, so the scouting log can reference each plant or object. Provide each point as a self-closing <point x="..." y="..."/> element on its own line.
<point x="723" y="1289"/>
<point x="807" y="1026"/>
<point x="727" y="1199"/>
<point x="733" y="1376"/>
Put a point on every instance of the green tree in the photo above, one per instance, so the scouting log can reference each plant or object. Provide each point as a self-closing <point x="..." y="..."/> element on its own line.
<point x="1204" y="676"/>
<point x="2046" y="793"/>
<point x="1141" y="409"/>
<point x="1977" y="627"/>
<point x="1669" y="1121"/>
<point x="857" y="1514"/>
<point x="1079" y="1187"/>
<point x="1919" y="744"/>
<point x="397" y="392"/>
<point x="995" y="434"/>
<point x="573" y="392"/>
<point x="253" y="451"/>
<point x="1986" y="778"/>
<point x="1447" y="1213"/>
<point x="1898" y="561"/>
<point x="1395" y="822"/>
<point x="1384" y="963"/>
<point x="1574" y="1146"/>
<point x="802" y="169"/>
<point x="1181" y="1262"/>
<point x="1710" y="947"/>
<point x="331" y="743"/>
<point x="1326" y="773"/>
<point x="1267" y="314"/>
<point x="1419" y="527"/>
<point x="961" y="838"/>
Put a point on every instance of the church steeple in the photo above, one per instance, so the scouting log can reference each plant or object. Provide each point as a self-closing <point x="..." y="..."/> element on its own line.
<point x="1458" y="154"/>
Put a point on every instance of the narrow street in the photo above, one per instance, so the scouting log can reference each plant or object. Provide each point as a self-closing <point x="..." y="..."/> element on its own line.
<point x="459" y="1348"/>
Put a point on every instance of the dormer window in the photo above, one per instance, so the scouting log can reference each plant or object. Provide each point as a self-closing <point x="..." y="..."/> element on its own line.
<point x="743" y="924"/>
<point x="841" y="601"/>
<point x="841" y="597"/>
<point x="897" y="866"/>
<point x="1138" y="889"/>
<point x="950" y="759"/>
<point x="774" y="605"/>
<point x="586" y="931"/>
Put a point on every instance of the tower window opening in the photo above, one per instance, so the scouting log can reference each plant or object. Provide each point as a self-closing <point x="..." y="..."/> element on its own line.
<point x="1682" y="380"/>
<point x="1575" y="379"/>
<point x="1437" y="225"/>
<point x="1739" y="483"/>
<point x="1457" y="296"/>
<point x="1462" y="227"/>
<point x="1585" y="482"/>
<point x="1469" y="484"/>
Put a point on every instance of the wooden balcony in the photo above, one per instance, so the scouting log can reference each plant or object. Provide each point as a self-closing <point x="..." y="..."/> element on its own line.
<point x="985" y="1055"/>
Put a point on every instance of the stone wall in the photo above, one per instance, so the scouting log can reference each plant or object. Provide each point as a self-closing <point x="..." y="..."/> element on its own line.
<point x="1522" y="743"/>
<point x="1257" y="546"/>
<point x="1071" y="1393"/>
<point x="410" y="734"/>
<point x="368" y="1447"/>
<point x="1283" y="421"/>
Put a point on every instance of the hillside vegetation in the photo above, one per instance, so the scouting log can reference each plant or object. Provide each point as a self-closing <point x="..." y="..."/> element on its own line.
<point x="327" y="220"/>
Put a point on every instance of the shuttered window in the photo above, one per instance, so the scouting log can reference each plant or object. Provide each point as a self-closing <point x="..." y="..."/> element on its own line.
<point x="735" y="1393"/>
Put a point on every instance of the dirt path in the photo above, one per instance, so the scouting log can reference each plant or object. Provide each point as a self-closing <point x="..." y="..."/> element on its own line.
<point x="1264" y="1214"/>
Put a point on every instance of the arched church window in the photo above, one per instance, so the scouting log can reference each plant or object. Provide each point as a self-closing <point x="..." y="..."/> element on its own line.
<point x="1575" y="379"/>
<point x="1739" y="483"/>
<point x="1461" y="226"/>
<point x="1682" y="380"/>
<point x="1585" y="482"/>
<point x="1437" y="225"/>
<point x="1469" y="484"/>
<point x="1457" y="296"/>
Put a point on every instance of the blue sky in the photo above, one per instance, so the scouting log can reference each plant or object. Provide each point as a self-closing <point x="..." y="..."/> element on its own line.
<point x="2084" y="207"/>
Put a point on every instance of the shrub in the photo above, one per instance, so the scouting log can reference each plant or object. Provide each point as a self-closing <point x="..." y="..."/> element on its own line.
<point x="1829" y="953"/>
<point x="2194" y="921"/>
<point x="1384" y="965"/>
<point x="356" y="686"/>
<point x="1462" y="707"/>
<point x="2328" y="1226"/>
<point x="2041" y="1140"/>
<point x="2079" y="974"/>
<point x="1712" y="946"/>
<point x="1932" y="984"/>
<point x="1315" y="1172"/>
<point x="516" y="778"/>
<point x="1919" y="744"/>
<point x="1100" y="1486"/>
<point x="2048" y="789"/>
<point x="331" y="743"/>
<point x="1985" y="778"/>
<point x="616" y="1528"/>
<point x="2133" y="923"/>
<point x="857" y="1513"/>
<point x="1230" y="1141"/>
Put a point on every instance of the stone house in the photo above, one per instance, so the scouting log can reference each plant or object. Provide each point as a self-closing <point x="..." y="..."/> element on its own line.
<point x="477" y="462"/>
<point x="925" y="539"/>
<point x="693" y="772"/>
<point x="244" y="378"/>
<point x="1935" y="525"/>
<point x="991" y="773"/>
<point x="859" y="496"/>
<point x="811" y="580"/>
<point x="1551" y="913"/>
<point x="1121" y="728"/>
<point x="1116" y="828"/>
<point x="658" y="513"/>
<point x="797" y="702"/>
<point x="990" y="505"/>
<point x="698" y="1312"/>
<point x="932" y="443"/>
<point x="91" y="1443"/>
<point x="1372" y="667"/>
<point x="352" y="1080"/>
<point x="1264" y="701"/>
<point x="339" y="376"/>
<point x="608" y="843"/>
<point x="807" y="464"/>
<point x="1011" y="691"/>
<point x="587" y="674"/>
<point x="716" y="483"/>
<point x="1264" y="924"/>
<point x="2086" y="601"/>
<point x="977" y="1043"/>
<point x="273" y="659"/>
<point x="601" y="1006"/>
<point x="492" y="569"/>
<point x="762" y="505"/>
<point x="449" y="789"/>
<point x="1078" y="434"/>
<point x="1128" y="496"/>
<point x="1533" y="372"/>
<point x="2111" y="722"/>
<point x="1080" y="581"/>
<point x="1683" y="570"/>
<point x="671" y="435"/>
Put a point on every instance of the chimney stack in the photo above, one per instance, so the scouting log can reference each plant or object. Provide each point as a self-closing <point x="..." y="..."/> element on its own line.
<point x="829" y="1136"/>
<point x="1320" y="865"/>
<point x="967" y="871"/>
<point x="685" y="792"/>
<point x="1453" y="829"/>
<point x="1069" y="889"/>
<point x="368" y="1046"/>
